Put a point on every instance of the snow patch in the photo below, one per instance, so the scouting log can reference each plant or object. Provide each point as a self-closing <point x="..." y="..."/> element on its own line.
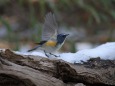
<point x="104" y="51"/>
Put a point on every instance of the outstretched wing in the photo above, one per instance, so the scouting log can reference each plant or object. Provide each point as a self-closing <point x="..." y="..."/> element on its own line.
<point x="50" y="27"/>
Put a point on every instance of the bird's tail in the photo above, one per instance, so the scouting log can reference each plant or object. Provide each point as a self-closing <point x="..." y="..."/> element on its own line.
<point x="33" y="49"/>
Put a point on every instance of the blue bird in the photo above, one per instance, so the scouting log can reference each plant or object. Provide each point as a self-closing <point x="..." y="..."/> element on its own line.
<point x="52" y="40"/>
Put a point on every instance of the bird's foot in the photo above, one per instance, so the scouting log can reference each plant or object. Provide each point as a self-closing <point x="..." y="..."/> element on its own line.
<point x="46" y="54"/>
<point x="54" y="55"/>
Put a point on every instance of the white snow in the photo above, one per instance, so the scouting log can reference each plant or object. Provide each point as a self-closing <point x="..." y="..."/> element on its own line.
<point x="35" y="53"/>
<point x="83" y="45"/>
<point x="104" y="51"/>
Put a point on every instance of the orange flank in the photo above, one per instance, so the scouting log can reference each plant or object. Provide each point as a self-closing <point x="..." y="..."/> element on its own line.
<point x="51" y="43"/>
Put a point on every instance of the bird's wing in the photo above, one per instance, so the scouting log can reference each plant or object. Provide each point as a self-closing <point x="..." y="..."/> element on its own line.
<point x="50" y="27"/>
<point x="41" y="43"/>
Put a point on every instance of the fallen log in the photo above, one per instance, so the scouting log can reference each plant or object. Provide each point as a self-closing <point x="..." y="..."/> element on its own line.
<point x="28" y="70"/>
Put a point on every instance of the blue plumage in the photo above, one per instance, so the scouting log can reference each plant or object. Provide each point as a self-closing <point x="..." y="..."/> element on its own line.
<point x="61" y="38"/>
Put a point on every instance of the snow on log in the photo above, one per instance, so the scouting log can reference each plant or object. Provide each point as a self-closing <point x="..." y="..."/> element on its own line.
<point x="30" y="70"/>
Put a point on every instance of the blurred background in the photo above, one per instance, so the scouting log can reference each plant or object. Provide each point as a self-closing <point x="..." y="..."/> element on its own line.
<point x="89" y="22"/>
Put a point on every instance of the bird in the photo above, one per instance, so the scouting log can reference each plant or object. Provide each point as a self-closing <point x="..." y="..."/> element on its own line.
<point x="51" y="39"/>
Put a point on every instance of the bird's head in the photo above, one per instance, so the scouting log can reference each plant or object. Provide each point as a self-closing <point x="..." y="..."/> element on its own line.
<point x="61" y="37"/>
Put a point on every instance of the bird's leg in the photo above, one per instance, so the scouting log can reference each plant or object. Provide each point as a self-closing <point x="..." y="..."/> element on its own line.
<point x="46" y="54"/>
<point x="54" y="55"/>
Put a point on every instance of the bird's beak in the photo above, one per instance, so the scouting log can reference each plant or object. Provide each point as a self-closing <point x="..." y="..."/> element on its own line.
<point x="67" y="34"/>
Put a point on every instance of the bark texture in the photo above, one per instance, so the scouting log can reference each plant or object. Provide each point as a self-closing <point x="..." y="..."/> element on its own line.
<point x="27" y="70"/>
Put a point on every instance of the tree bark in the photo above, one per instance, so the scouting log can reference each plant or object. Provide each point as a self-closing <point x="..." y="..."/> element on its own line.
<point x="28" y="70"/>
